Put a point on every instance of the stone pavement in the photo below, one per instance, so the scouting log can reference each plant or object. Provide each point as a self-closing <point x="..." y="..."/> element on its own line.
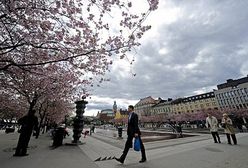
<point x="41" y="155"/>
<point x="191" y="152"/>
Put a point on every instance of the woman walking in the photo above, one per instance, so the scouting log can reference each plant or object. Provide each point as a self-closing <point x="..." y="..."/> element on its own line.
<point x="227" y="124"/>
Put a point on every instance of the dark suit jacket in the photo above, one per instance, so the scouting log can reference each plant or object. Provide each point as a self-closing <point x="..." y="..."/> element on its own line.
<point x="132" y="126"/>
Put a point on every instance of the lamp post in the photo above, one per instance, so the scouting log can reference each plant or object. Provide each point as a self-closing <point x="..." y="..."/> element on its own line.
<point x="78" y="123"/>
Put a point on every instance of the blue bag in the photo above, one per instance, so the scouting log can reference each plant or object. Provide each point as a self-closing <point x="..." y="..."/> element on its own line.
<point x="136" y="144"/>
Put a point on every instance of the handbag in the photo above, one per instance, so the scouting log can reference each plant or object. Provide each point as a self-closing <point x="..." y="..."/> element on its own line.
<point x="136" y="144"/>
<point x="223" y="125"/>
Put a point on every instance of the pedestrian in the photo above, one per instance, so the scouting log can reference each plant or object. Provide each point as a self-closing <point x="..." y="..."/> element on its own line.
<point x="93" y="128"/>
<point x="86" y="132"/>
<point x="28" y="123"/>
<point x="132" y="131"/>
<point x="227" y="124"/>
<point x="59" y="134"/>
<point x="179" y="129"/>
<point x="212" y="123"/>
<point x="239" y="123"/>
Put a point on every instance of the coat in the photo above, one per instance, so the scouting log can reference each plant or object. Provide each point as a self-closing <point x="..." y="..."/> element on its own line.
<point x="132" y="126"/>
<point x="212" y="123"/>
<point x="229" y="129"/>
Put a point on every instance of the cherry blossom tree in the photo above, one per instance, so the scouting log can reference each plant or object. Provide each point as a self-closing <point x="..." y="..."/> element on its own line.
<point x="57" y="110"/>
<point x="242" y="113"/>
<point x="11" y="106"/>
<point x="57" y="84"/>
<point x="48" y="47"/>
<point x="52" y="110"/>
<point x="83" y="35"/>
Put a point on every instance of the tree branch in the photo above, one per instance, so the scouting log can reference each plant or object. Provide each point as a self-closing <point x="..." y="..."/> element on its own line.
<point x="11" y="63"/>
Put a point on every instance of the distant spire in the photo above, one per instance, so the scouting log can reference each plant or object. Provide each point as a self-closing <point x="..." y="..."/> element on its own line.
<point x="115" y="107"/>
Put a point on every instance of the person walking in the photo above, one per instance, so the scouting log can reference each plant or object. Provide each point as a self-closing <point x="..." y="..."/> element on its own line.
<point x="227" y="124"/>
<point x="212" y="123"/>
<point x="132" y="131"/>
<point x="28" y="124"/>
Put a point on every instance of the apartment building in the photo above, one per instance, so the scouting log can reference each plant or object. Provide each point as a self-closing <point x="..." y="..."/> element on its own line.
<point x="196" y="103"/>
<point x="233" y="94"/>
<point x="144" y="106"/>
<point x="163" y="107"/>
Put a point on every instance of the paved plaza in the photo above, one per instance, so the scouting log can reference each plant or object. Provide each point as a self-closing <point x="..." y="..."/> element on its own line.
<point x="99" y="149"/>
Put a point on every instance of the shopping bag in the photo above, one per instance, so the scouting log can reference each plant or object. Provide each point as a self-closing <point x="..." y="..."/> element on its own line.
<point x="136" y="144"/>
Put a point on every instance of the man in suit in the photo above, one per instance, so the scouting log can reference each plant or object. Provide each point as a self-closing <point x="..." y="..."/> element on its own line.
<point x="132" y="131"/>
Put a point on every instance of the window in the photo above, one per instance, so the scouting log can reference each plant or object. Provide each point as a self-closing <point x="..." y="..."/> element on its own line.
<point x="245" y="90"/>
<point x="242" y="91"/>
<point x="239" y="92"/>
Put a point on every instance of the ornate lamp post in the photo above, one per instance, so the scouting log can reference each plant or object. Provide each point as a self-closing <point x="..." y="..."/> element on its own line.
<point x="78" y="124"/>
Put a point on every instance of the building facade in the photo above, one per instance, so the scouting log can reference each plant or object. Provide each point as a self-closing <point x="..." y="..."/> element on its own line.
<point x="163" y="107"/>
<point x="144" y="106"/>
<point x="106" y="115"/>
<point x="196" y="103"/>
<point x="233" y="94"/>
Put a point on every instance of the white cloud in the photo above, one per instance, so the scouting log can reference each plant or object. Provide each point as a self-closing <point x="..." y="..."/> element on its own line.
<point x="192" y="47"/>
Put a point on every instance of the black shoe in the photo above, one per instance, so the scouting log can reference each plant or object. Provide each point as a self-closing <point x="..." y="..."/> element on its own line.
<point x="219" y="142"/>
<point x="142" y="160"/>
<point x="119" y="160"/>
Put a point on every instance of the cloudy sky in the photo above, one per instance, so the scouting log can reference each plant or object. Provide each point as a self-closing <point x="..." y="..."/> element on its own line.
<point x="192" y="47"/>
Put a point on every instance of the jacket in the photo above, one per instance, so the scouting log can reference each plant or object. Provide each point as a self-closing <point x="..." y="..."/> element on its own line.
<point x="132" y="126"/>
<point x="212" y="123"/>
<point x="229" y="129"/>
